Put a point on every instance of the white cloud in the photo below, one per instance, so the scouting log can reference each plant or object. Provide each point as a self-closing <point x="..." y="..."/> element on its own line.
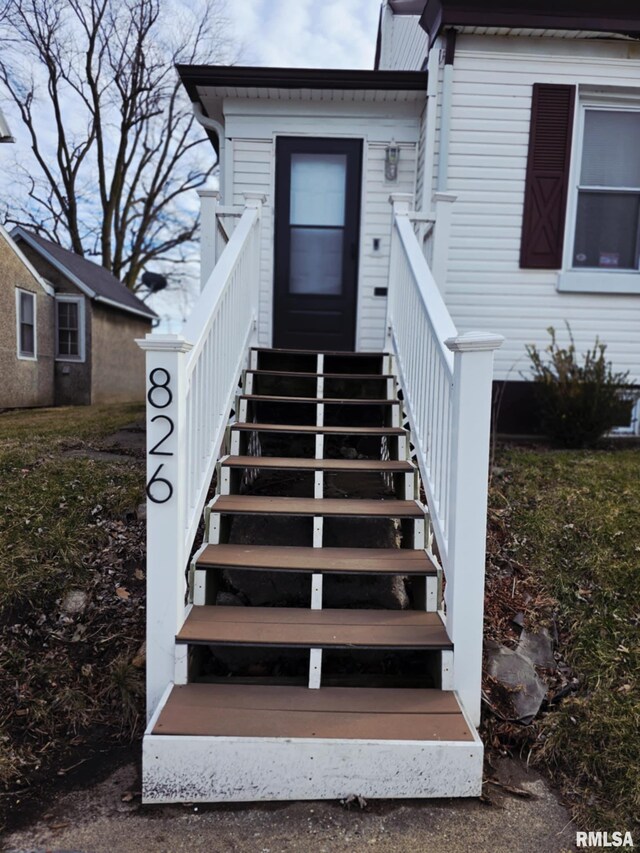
<point x="306" y="34"/>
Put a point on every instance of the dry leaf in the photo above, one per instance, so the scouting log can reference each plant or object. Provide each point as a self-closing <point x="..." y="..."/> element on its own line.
<point x="121" y="592"/>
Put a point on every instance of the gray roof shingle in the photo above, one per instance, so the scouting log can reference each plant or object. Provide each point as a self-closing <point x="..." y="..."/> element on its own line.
<point x="101" y="284"/>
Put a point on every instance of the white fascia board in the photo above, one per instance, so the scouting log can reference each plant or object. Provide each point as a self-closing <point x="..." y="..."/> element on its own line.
<point x="122" y="307"/>
<point x="25" y="261"/>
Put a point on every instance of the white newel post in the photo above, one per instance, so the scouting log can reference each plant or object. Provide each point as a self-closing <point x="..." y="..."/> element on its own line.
<point x="401" y="204"/>
<point x="256" y="200"/>
<point x="471" y="424"/>
<point x="166" y="357"/>
<point x="209" y="201"/>
<point x="443" y="203"/>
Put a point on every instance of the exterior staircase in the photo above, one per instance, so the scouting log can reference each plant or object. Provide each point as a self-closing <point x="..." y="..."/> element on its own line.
<point x="358" y="698"/>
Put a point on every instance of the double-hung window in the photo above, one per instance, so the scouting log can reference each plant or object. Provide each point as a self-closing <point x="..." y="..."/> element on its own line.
<point x="69" y="328"/>
<point x="607" y="221"/>
<point x="26" y="323"/>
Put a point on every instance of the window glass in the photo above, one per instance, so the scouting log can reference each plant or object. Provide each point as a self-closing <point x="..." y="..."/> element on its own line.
<point x="607" y="229"/>
<point x="318" y="184"/>
<point x="26" y="323"/>
<point x="68" y="329"/>
<point x="316" y="261"/>
<point x="611" y="155"/>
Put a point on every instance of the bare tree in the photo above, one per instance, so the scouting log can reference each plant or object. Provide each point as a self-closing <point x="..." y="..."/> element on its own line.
<point x="110" y="129"/>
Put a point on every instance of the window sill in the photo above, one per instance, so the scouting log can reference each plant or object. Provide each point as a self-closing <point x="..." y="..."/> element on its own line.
<point x="24" y="357"/>
<point x="597" y="281"/>
<point x="70" y="359"/>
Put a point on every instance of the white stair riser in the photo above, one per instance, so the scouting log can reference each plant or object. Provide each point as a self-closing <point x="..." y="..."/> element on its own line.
<point x="226" y="769"/>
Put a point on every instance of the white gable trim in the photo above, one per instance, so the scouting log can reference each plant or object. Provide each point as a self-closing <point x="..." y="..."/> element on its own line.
<point x="24" y="235"/>
<point x="25" y="261"/>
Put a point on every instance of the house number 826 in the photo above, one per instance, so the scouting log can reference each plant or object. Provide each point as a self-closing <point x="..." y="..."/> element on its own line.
<point x="160" y="396"/>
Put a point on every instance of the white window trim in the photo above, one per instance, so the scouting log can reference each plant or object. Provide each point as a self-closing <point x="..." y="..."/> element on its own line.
<point x="80" y="301"/>
<point x="27" y="356"/>
<point x="590" y="280"/>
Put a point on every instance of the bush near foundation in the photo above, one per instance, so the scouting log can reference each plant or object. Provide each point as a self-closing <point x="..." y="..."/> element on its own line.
<point x="579" y="401"/>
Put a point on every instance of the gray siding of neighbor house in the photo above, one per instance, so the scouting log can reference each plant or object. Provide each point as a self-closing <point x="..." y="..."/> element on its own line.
<point x="118" y="371"/>
<point x="24" y="382"/>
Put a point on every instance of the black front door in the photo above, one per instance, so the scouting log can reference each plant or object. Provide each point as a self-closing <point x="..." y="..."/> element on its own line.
<point x="317" y="219"/>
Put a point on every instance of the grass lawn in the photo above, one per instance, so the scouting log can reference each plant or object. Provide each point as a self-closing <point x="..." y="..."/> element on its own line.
<point x="572" y="518"/>
<point x="566" y="524"/>
<point x="69" y="523"/>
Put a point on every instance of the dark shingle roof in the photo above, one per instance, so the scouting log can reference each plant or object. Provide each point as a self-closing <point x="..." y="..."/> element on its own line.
<point x="97" y="282"/>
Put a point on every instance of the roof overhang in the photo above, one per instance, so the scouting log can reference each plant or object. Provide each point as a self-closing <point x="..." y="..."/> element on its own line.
<point x="210" y="85"/>
<point x="614" y="16"/>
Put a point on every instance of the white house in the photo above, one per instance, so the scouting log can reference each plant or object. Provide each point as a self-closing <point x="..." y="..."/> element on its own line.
<point x="485" y="175"/>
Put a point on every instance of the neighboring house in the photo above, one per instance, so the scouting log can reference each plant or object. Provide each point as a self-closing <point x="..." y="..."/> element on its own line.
<point x="71" y="330"/>
<point x="485" y="176"/>
<point x="27" y="330"/>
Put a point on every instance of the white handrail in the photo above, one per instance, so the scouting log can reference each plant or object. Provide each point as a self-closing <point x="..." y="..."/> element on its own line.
<point x="191" y="384"/>
<point x="446" y="383"/>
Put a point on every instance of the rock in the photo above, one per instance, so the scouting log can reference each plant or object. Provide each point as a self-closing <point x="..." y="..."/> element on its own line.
<point x="538" y="648"/>
<point x="74" y="602"/>
<point x="141" y="512"/>
<point x="515" y="672"/>
<point x="384" y="592"/>
<point x="228" y="599"/>
<point x="140" y="658"/>
<point x="349" y="452"/>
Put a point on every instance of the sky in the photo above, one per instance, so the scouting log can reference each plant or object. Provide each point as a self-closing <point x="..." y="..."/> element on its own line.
<point x="287" y="33"/>
<point x="306" y="33"/>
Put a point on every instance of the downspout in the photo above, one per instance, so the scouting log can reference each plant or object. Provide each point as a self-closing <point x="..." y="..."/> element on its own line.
<point x="445" y="120"/>
<point x="213" y="126"/>
<point x="429" y="131"/>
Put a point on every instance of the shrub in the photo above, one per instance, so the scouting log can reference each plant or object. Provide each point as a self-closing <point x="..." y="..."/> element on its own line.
<point x="578" y="403"/>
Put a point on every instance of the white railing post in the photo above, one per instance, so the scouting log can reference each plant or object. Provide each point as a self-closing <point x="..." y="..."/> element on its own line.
<point x="470" y="434"/>
<point x="401" y="204"/>
<point x="209" y="202"/>
<point x="443" y="203"/>
<point x="256" y="201"/>
<point x="166" y="357"/>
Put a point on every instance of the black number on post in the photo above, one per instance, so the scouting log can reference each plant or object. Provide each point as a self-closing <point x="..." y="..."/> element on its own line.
<point x="156" y="479"/>
<point x="154" y="450"/>
<point x="164" y="386"/>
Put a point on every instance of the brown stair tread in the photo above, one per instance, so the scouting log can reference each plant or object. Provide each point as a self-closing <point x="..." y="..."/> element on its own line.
<point x="259" y="504"/>
<point x="345" y="353"/>
<point x="300" y="375"/>
<point x="403" y="561"/>
<point x="346" y="401"/>
<point x="300" y="464"/>
<point x="230" y="710"/>
<point x="303" y="627"/>
<point x="310" y="428"/>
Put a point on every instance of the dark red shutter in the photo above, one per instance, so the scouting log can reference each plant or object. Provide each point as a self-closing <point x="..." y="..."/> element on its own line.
<point x="545" y="198"/>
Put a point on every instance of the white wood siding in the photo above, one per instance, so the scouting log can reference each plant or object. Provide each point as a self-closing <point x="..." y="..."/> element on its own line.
<point x="404" y="43"/>
<point x="486" y="289"/>
<point x="253" y="127"/>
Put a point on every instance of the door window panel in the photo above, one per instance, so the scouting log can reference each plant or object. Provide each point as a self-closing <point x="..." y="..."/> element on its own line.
<point x="316" y="261"/>
<point x="318" y="183"/>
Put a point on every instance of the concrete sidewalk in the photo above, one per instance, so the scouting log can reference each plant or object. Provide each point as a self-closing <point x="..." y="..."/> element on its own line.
<point x="96" y="820"/>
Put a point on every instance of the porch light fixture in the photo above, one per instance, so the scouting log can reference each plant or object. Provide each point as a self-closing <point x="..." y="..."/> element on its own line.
<point x="391" y="157"/>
